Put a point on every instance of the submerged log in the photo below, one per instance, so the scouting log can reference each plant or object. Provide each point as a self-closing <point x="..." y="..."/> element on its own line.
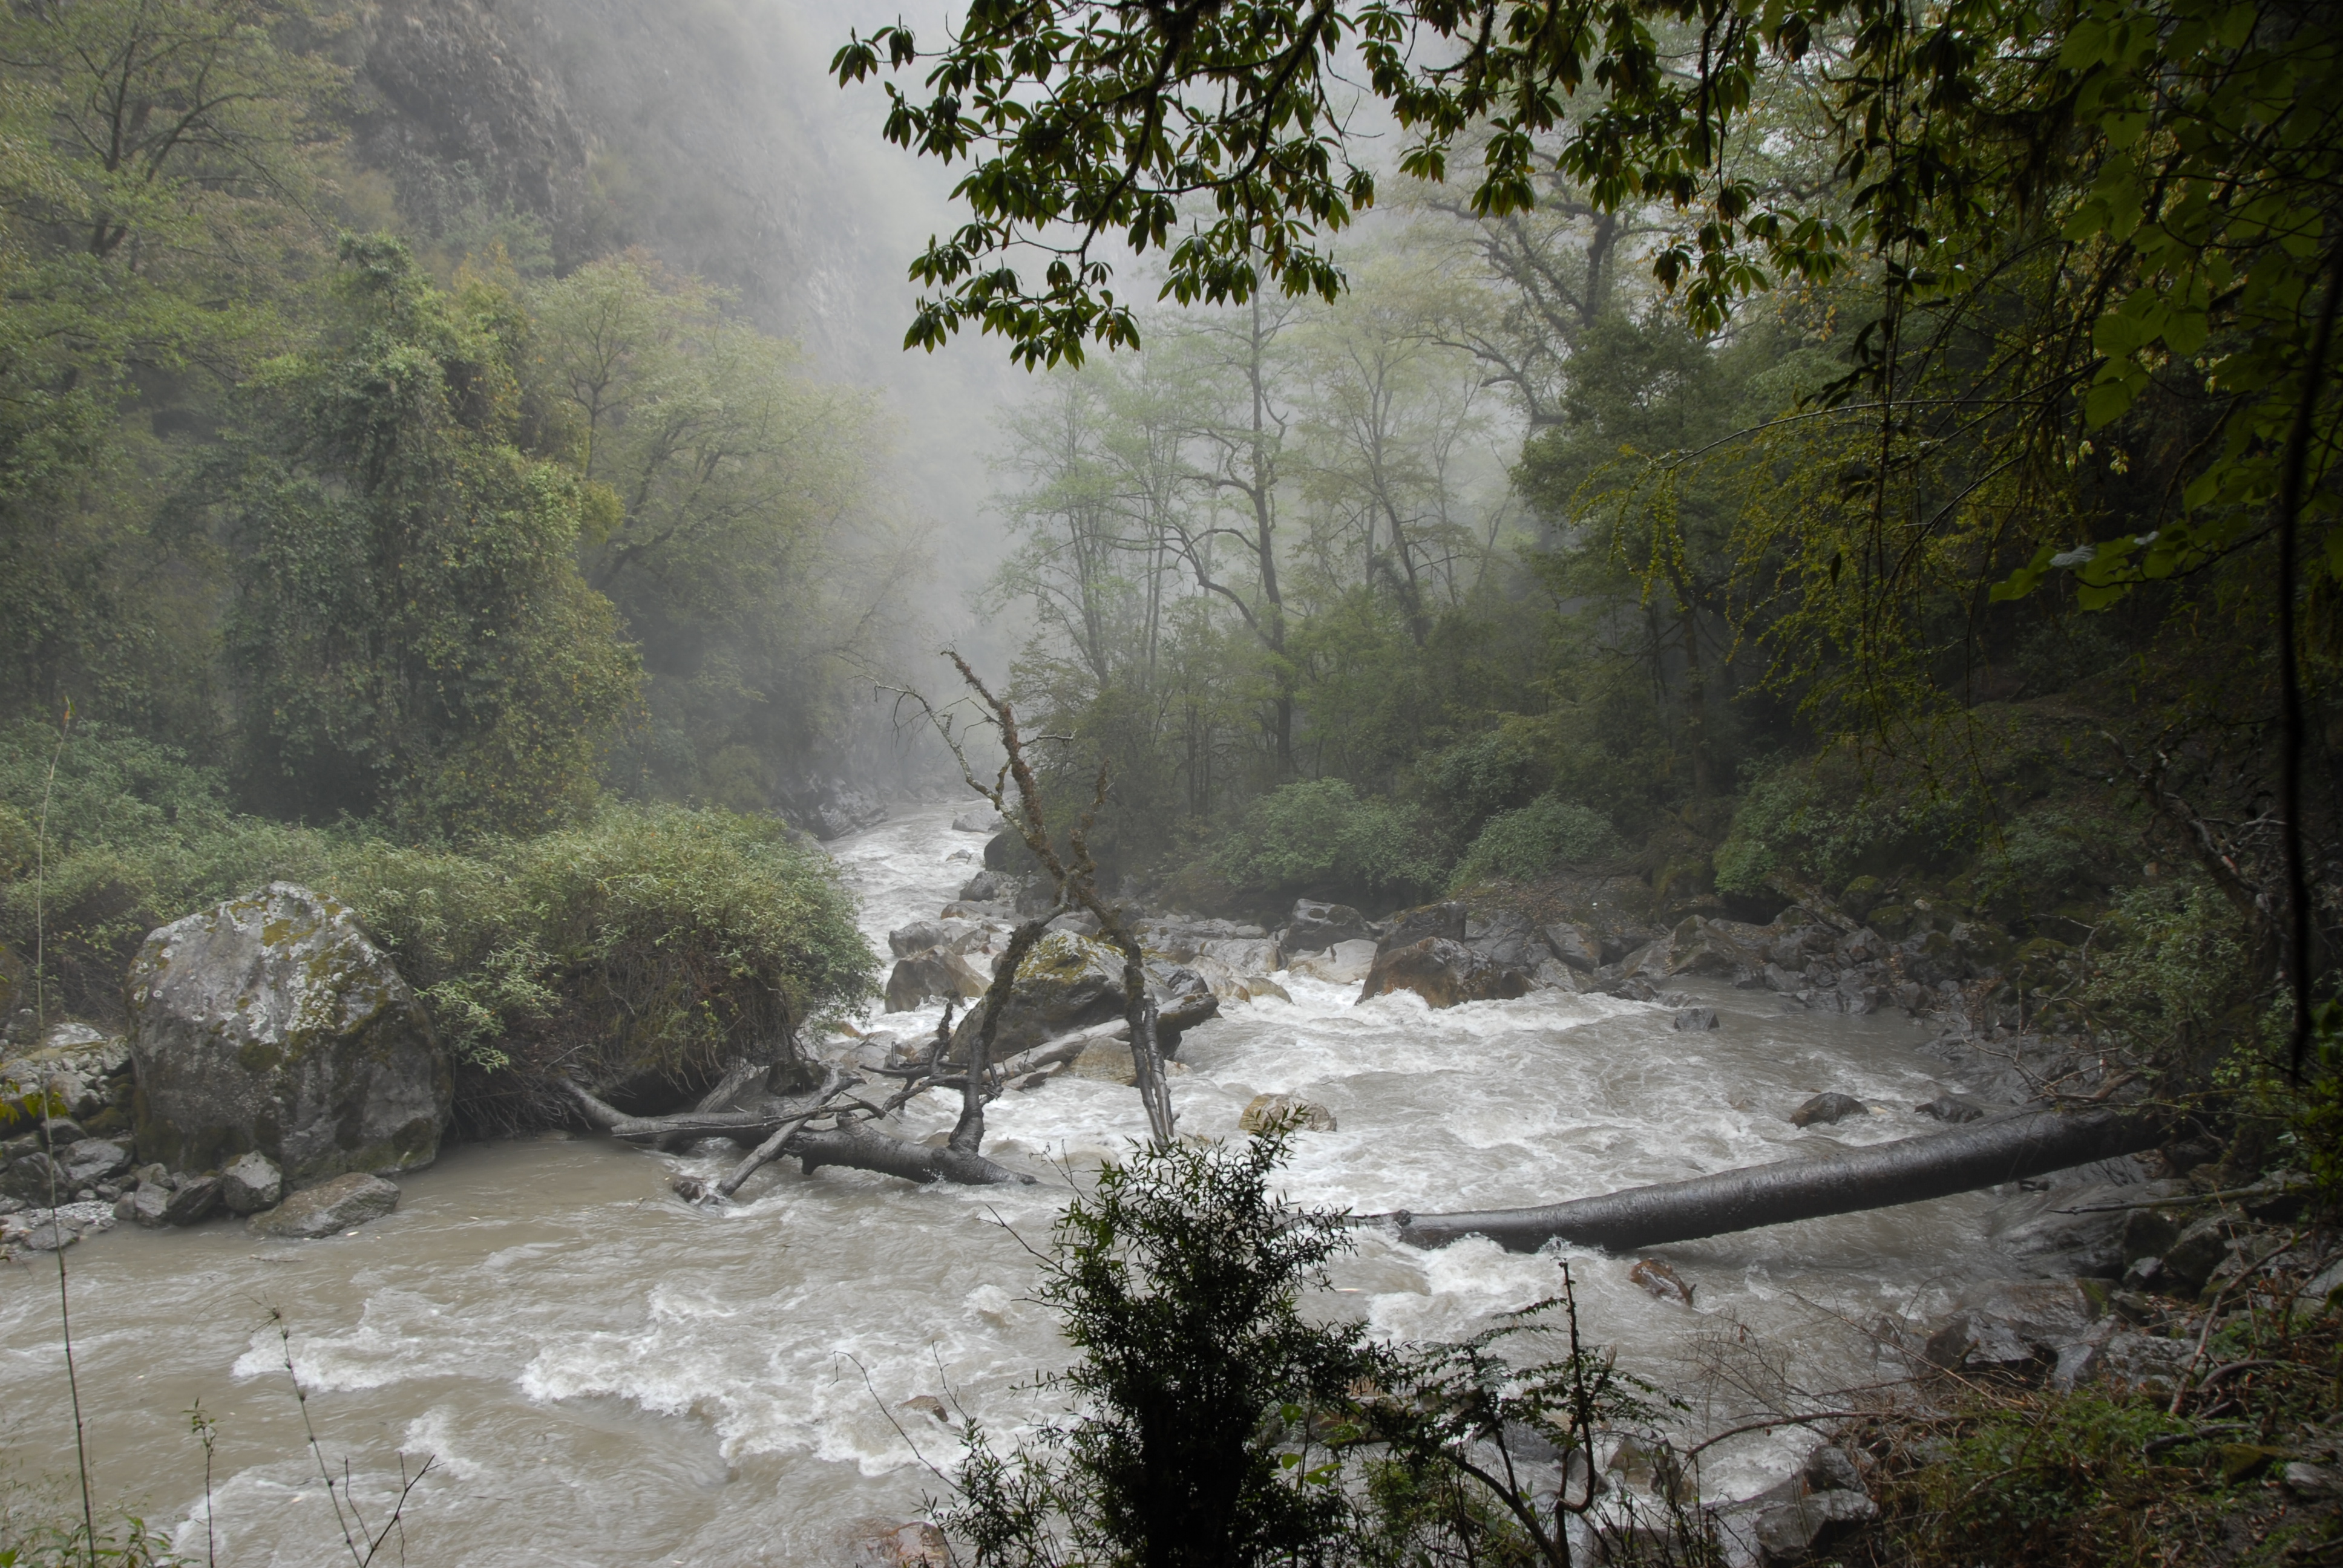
<point x="1938" y="1165"/>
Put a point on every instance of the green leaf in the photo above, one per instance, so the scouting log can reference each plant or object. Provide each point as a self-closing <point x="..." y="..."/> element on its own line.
<point x="2107" y="402"/>
<point x="2184" y="334"/>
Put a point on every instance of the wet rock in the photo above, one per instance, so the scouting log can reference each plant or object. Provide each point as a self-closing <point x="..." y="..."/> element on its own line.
<point x="2141" y="1363"/>
<point x="1443" y="973"/>
<point x="1267" y="1110"/>
<point x="250" y="1183"/>
<point x="1659" y="1280"/>
<point x="193" y="1202"/>
<point x="1580" y="947"/>
<point x="2194" y="1255"/>
<point x="1315" y="926"/>
<point x="916" y="938"/>
<point x="2313" y="1481"/>
<point x="1007" y="854"/>
<point x="1778" y="978"/>
<point x="53" y="1229"/>
<point x="1805" y="1528"/>
<point x="929" y="1405"/>
<point x="831" y="807"/>
<point x="1344" y="964"/>
<point x="1823" y="1109"/>
<point x="1701" y="945"/>
<point x="146" y="1206"/>
<point x="1261" y="987"/>
<point x="1242" y="955"/>
<point x="93" y="1160"/>
<point x="982" y="888"/>
<point x="272" y="1022"/>
<point x="2070" y="1230"/>
<point x="1069" y="983"/>
<point x="1694" y="1018"/>
<point x="1409" y="927"/>
<point x="978" y="819"/>
<point x="35" y="1178"/>
<point x="1951" y="1108"/>
<point x="1830" y="1469"/>
<point x="2011" y="1325"/>
<point x="339" y="1205"/>
<point x="1505" y="937"/>
<point x="934" y="974"/>
<point x="79" y="1072"/>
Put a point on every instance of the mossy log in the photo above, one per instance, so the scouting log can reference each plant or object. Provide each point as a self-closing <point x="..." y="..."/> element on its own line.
<point x="851" y="1143"/>
<point x="1908" y="1171"/>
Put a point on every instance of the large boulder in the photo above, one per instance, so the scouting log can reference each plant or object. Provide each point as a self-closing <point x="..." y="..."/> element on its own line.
<point x="1443" y="973"/>
<point x="936" y="973"/>
<point x="1317" y="926"/>
<point x="271" y="1022"/>
<point x="1409" y="927"/>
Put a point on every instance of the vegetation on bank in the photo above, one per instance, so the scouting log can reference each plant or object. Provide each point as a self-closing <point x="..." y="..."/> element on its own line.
<point x="651" y="938"/>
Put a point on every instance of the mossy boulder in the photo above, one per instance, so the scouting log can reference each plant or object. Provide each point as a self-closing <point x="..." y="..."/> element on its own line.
<point x="1069" y="982"/>
<point x="272" y="1022"/>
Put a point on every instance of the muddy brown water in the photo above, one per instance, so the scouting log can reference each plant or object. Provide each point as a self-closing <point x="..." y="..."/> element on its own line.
<point x="598" y="1373"/>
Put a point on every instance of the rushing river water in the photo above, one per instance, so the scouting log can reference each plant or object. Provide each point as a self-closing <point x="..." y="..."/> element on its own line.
<point x="600" y="1374"/>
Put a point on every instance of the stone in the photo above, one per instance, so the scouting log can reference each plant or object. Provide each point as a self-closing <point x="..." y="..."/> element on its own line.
<point x="1443" y="973"/>
<point x="1694" y="1018"/>
<point x="978" y="819"/>
<point x="193" y="1201"/>
<point x="1823" y="1109"/>
<point x="1410" y="926"/>
<point x="2011" y="1325"/>
<point x="339" y="1205"/>
<point x="1069" y="983"/>
<point x="1267" y="1110"/>
<point x="2243" y="1460"/>
<point x="982" y="888"/>
<point x="1830" y="1469"/>
<point x="1506" y="936"/>
<point x="1952" y="1108"/>
<point x="916" y="938"/>
<point x="82" y="1072"/>
<point x="1242" y="955"/>
<point x="53" y="1229"/>
<point x="251" y="1183"/>
<point x="927" y="1404"/>
<point x="272" y="1022"/>
<point x="1315" y="926"/>
<point x="2194" y="1253"/>
<point x="148" y="1205"/>
<point x="1804" y="1528"/>
<point x="1344" y="964"/>
<point x="1261" y="987"/>
<point x="1659" y="1280"/>
<point x="1701" y="945"/>
<point x="936" y="973"/>
<point x="1574" y="945"/>
<point x="94" y="1160"/>
<point x="2312" y="1480"/>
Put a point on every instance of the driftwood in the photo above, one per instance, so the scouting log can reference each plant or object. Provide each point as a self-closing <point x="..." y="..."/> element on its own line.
<point x="1983" y="1154"/>
<point x="851" y="1143"/>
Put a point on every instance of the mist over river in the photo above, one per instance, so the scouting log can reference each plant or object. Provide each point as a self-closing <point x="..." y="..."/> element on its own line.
<point x="600" y="1373"/>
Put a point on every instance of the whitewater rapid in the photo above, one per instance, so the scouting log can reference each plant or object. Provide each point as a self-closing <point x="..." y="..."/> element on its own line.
<point x="600" y="1374"/>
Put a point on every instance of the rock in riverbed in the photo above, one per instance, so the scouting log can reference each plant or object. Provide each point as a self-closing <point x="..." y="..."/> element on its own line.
<point x="271" y="1022"/>
<point x="1823" y="1109"/>
<point x="1267" y="1111"/>
<point x="339" y="1205"/>
<point x="1443" y="973"/>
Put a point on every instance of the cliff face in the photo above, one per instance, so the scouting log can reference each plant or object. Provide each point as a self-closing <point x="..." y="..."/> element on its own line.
<point x="684" y="127"/>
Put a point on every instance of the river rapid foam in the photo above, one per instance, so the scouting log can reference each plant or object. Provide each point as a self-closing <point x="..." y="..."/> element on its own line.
<point x="601" y="1374"/>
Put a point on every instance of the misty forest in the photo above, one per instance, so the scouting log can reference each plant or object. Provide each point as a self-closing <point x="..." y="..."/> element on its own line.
<point x="1395" y="783"/>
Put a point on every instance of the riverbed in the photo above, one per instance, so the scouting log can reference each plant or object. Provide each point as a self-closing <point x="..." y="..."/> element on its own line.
<point x="598" y="1373"/>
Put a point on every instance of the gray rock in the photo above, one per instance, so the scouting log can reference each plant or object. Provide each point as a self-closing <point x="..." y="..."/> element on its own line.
<point x="2313" y="1481"/>
<point x="272" y="1022"/>
<point x="1823" y="1109"/>
<point x="2195" y="1252"/>
<point x="1316" y="926"/>
<point x="1694" y="1018"/>
<point x="1951" y="1108"/>
<point x="1443" y="973"/>
<point x="982" y="888"/>
<point x="916" y="938"/>
<point x="339" y="1205"/>
<point x="148" y="1205"/>
<point x="81" y="1071"/>
<point x="1829" y="1469"/>
<point x="94" y="1160"/>
<point x="1069" y="982"/>
<point x="1265" y="1111"/>
<point x="1577" y="946"/>
<point x="251" y="1183"/>
<point x="1801" y="1529"/>
<point x="1410" y="926"/>
<point x="193" y="1201"/>
<point x="2011" y="1324"/>
<point x="1344" y="964"/>
<point x="936" y="973"/>
<point x="978" y="819"/>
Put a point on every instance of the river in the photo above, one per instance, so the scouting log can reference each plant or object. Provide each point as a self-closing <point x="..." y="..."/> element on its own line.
<point x="600" y="1374"/>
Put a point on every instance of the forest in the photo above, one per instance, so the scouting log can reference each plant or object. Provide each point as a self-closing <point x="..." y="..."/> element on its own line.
<point x="1818" y="461"/>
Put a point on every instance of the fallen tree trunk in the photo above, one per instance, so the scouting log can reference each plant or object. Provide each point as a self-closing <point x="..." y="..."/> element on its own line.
<point x="851" y="1144"/>
<point x="1984" y="1154"/>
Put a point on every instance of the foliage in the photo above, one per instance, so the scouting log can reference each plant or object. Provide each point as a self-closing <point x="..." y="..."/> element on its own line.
<point x="412" y="637"/>
<point x="1177" y="1278"/>
<point x="650" y="941"/>
<point x="1819" y="824"/>
<point x="1318" y="836"/>
<point x="1520" y="845"/>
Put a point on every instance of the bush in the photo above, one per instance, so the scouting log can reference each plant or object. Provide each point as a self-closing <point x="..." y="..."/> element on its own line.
<point x="1518" y="846"/>
<point x="1821" y="823"/>
<point x="635" y="951"/>
<point x="1472" y="780"/>
<point x="1319" y="837"/>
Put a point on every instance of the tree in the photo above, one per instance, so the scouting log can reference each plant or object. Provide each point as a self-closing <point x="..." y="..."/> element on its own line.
<point x="410" y="636"/>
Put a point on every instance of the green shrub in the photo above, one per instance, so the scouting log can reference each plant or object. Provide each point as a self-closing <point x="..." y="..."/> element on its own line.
<point x="1820" y="823"/>
<point x="1318" y="836"/>
<point x="638" y="947"/>
<point x="1520" y="845"/>
<point x="1470" y="782"/>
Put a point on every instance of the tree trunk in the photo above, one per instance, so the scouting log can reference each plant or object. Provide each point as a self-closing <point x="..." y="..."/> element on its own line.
<point x="1938" y="1165"/>
<point x="854" y="1145"/>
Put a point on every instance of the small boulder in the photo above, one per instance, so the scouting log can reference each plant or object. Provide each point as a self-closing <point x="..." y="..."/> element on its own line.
<point x="1575" y="945"/>
<point x="937" y="972"/>
<point x="1658" y="1280"/>
<point x="82" y="1072"/>
<point x="982" y="888"/>
<point x="1694" y="1017"/>
<point x="339" y="1205"/>
<point x="251" y="1183"/>
<point x="1409" y="927"/>
<point x="916" y="938"/>
<point x="1267" y="1111"/>
<point x="272" y="1023"/>
<point x="2194" y="1253"/>
<point x="1802" y="1529"/>
<point x="1823" y="1109"/>
<point x="1951" y="1108"/>
<point x="1315" y="926"/>
<point x="1829" y="1469"/>
<point x="1443" y="973"/>
<point x="193" y="1201"/>
<point x="978" y="819"/>
<point x="93" y="1160"/>
<point x="147" y="1206"/>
